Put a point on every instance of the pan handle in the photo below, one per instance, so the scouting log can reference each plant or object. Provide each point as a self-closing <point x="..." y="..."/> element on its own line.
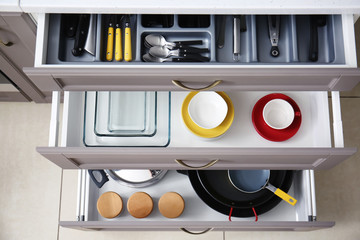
<point x="196" y="233"/>
<point x="181" y="85"/>
<point x="181" y="162"/>
<point x="103" y="180"/>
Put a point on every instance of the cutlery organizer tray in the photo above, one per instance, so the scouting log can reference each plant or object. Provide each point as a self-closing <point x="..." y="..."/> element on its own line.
<point x="296" y="32"/>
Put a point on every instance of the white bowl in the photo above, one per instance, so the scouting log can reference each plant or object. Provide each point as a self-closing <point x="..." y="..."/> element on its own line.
<point x="278" y="114"/>
<point x="207" y="109"/>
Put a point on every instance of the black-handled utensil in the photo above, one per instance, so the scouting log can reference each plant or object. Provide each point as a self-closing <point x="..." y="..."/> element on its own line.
<point x="81" y="34"/>
<point x="274" y="30"/>
<point x="163" y="52"/>
<point x="149" y="58"/>
<point x="70" y="23"/>
<point x="195" y="57"/>
<point x="315" y="22"/>
<point x="221" y="37"/>
<point x="103" y="176"/>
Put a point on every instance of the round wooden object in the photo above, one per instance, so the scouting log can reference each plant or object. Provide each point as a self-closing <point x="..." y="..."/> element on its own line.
<point x="109" y="205"/>
<point x="140" y="205"/>
<point x="171" y="205"/>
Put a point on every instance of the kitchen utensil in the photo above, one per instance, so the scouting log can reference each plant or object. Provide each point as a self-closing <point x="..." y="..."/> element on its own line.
<point x="236" y="39"/>
<point x="110" y="38"/>
<point x="163" y="52"/>
<point x="118" y="39"/>
<point x="207" y="109"/>
<point x="274" y="30"/>
<point x="91" y="37"/>
<point x="70" y="23"/>
<point x="109" y="205"/>
<point x="140" y="205"/>
<point x="161" y="137"/>
<point x="135" y="178"/>
<point x="149" y="58"/>
<point x="242" y="207"/>
<point x="127" y="46"/>
<point x="171" y="205"/>
<point x="221" y="37"/>
<point x="81" y="34"/>
<point x="265" y="130"/>
<point x="122" y="114"/>
<point x="202" y="132"/>
<point x="315" y="22"/>
<point x="158" y="40"/>
<point x="278" y="114"/>
<point x="252" y="181"/>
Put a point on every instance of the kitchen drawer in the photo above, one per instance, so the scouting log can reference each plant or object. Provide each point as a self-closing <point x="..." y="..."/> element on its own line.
<point x="197" y="215"/>
<point x="240" y="147"/>
<point x="56" y="69"/>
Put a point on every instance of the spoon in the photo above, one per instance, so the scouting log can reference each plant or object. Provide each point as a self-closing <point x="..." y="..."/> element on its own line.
<point x="148" y="58"/>
<point x="163" y="52"/>
<point x="159" y="40"/>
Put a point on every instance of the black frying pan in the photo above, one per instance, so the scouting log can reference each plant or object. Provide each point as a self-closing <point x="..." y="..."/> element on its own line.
<point x="219" y="186"/>
<point x="237" y="212"/>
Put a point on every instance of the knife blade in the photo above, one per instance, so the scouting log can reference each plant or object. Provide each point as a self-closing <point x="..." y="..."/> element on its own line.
<point x="91" y="37"/>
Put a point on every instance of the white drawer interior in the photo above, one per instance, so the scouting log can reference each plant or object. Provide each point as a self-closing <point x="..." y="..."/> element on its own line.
<point x="337" y="48"/>
<point x="314" y="130"/>
<point x="195" y="208"/>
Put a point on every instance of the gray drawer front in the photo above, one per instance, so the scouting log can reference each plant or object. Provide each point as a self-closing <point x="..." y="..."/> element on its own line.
<point x="198" y="226"/>
<point x="140" y="78"/>
<point x="164" y="158"/>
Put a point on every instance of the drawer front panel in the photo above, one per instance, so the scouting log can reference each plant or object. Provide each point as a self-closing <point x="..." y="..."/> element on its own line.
<point x="229" y="158"/>
<point x="198" y="227"/>
<point x="257" y="79"/>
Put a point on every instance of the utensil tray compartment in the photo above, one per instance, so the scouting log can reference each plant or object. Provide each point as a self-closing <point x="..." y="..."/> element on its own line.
<point x="254" y="42"/>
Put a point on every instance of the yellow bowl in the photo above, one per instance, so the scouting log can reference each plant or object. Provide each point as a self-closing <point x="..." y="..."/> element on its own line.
<point x="203" y="132"/>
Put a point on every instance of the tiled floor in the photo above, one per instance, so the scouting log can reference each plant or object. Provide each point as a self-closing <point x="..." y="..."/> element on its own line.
<point x="30" y="185"/>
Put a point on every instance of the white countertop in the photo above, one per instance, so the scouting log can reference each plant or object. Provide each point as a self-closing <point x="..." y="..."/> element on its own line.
<point x="10" y="6"/>
<point x="192" y="7"/>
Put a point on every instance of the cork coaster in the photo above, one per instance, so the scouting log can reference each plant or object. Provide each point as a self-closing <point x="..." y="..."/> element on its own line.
<point x="140" y="205"/>
<point x="171" y="205"/>
<point x="109" y="205"/>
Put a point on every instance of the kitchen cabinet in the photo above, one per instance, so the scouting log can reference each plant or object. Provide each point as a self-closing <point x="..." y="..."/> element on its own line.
<point x="18" y="33"/>
<point x="315" y="147"/>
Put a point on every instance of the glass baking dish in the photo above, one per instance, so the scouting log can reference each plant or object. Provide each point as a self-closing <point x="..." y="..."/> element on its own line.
<point x="160" y="138"/>
<point x="125" y="113"/>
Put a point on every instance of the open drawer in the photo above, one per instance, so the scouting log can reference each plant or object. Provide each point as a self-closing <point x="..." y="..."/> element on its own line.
<point x="254" y="69"/>
<point x="197" y="215"/>
<point x="240" y="147"/>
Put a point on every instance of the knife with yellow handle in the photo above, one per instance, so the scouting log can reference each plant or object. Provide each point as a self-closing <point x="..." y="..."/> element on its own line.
<point x="127" y="46"/>
<point x="110" y="40"/>
<point x="118" y="41"/>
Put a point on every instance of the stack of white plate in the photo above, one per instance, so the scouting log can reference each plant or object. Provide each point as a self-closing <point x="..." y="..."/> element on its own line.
<point x="127" y="119"/>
